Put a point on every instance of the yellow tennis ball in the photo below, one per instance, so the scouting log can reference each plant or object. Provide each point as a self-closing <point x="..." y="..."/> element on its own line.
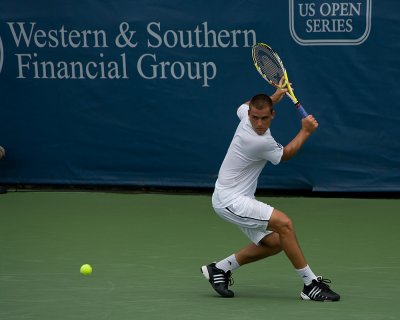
<point x="86" y="269"/>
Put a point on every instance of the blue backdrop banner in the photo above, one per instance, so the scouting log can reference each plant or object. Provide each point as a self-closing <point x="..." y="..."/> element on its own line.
<point x="144" y="93"/>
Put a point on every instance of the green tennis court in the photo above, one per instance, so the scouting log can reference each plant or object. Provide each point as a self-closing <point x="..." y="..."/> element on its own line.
<point x="146" y="250"/>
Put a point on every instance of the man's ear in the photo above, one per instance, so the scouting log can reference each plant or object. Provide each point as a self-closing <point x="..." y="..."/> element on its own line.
<point x="273" y="114"/>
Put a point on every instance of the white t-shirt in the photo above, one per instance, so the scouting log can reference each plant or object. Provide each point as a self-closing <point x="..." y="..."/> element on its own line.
<point x="247" y="155"/>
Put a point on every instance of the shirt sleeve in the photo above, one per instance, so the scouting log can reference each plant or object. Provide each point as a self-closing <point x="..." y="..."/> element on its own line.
<point x="275" y="155"/>
<point x="272" y="151"/>
<point x="242" y="111"/>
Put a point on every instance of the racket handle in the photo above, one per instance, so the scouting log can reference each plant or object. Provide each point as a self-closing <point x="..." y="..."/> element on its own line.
<point x="301" y="110"/>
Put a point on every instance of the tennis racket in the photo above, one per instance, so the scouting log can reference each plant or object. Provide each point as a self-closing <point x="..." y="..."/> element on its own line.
<point x="270" y="66"/>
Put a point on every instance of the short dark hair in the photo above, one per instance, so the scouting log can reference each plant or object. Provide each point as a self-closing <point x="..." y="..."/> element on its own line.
<point x="260" y="101"/>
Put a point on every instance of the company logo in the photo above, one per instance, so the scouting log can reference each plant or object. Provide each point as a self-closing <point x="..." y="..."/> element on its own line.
<point x="1" y="55"/>
<point x="44" y="52"/>
<point x="336" y="22"/>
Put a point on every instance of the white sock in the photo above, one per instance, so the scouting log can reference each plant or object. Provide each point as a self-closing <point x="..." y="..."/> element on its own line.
<point x="306" y="274"/>
<point x="228" y="264"/>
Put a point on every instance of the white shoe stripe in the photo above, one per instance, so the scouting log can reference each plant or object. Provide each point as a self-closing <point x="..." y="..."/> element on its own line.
<point x="315" y="292"/>
<point x="218" y="279"/>
<point x="312" y="291"/>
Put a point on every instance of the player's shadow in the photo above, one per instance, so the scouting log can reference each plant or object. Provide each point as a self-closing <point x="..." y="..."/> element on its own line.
<point x="262" y="293"/>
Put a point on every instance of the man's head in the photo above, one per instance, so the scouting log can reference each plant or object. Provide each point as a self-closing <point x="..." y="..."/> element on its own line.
<point x="261" y="113"/>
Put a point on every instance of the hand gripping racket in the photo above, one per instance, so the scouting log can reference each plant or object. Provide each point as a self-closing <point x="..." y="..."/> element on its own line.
<point x="270" y="66"/>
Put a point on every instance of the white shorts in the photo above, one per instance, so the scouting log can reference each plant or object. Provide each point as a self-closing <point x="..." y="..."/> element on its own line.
<point x="250" y="215"/>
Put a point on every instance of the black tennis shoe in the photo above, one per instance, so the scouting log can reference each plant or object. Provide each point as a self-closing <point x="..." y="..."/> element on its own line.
<point x="219" y="279"/>
<point x="318" y="290"/>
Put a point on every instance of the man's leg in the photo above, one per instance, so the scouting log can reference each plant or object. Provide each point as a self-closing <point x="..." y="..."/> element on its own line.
<point x="219" y="274"/>
<point x="281" y="224"/>
<point x="315" y="288"/>
<point x="268" y="246"/>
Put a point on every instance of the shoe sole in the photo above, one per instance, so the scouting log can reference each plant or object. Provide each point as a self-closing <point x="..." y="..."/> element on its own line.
<point x="303" y="296"/>
<point x="204" y="271"/>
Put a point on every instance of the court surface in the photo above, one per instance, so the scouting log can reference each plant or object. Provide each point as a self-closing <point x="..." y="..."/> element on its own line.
<point x="146" y="251"/>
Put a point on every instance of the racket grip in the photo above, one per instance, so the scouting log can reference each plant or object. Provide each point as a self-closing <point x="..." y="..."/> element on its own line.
<point x="301" y="110"/>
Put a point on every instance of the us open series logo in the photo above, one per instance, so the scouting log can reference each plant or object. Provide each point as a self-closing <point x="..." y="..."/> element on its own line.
<point x="337" y="22"/>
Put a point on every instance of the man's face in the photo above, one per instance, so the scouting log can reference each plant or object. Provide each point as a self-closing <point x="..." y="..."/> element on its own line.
<point x="261" y="119"/>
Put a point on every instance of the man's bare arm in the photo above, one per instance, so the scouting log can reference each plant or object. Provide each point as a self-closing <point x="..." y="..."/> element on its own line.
<point x="309" y="125"/>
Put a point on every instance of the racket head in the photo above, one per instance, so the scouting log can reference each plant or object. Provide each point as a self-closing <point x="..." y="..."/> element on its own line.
<point x="270" y="67"/>
<point x="268" y="64"/>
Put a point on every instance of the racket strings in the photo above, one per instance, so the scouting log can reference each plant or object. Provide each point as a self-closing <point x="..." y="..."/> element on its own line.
<point x="268" y="63"/>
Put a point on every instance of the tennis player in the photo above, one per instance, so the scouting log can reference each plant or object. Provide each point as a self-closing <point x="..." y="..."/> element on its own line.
<point x="269" y="229"/>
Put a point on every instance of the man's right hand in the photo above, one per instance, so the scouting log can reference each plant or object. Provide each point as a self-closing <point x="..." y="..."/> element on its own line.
<point x="309" y="124"/>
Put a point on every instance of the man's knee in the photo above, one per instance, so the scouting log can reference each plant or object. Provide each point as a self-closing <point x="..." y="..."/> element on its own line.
<point x="280" y="222"/>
